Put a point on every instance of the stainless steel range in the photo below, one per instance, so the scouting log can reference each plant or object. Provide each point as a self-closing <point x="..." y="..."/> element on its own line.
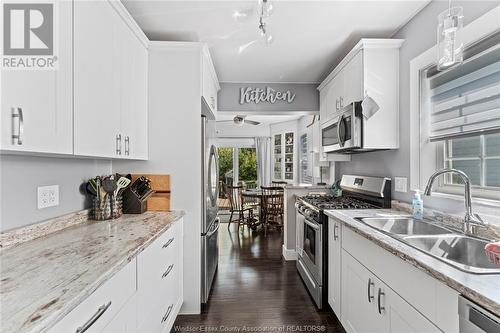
<point x="358" y="192"/>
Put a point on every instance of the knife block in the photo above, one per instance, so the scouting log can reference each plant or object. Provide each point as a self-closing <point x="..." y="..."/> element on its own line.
<point x="132" y="204"/>
<point x="160" y="183"/>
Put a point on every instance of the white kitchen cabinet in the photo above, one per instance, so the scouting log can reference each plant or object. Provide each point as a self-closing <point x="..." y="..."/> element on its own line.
<point x="37" y="104"/>
<point x="126" y="319"/>
<point x="284" y="158"/>
<point x="159" y="282"/>
<point x="210" y="84"/>
<point x="144" y="296"/>
<point x="104" y="304"/>
<point x="110" y="84"/>
<point x="370" y="69"/>
<point x="359" y="309"/>
<point x="369" y="305"/>
<point x="353" y="80"/>
<point x="334" y="265"/>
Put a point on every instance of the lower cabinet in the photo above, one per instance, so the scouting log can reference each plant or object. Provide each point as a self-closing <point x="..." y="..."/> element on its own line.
<point x="371" y="306"/>
<point x="144" y="296"/>
<point x="334" y="265"/>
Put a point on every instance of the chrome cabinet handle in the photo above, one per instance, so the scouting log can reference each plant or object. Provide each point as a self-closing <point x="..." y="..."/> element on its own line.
<point x="118" y="144"/>
<point x="341" y="103"/>
<point x="17" y="138"/>
<point x="168" y="242"/>
<point x="370" y="296"/>
<point x="380" y="307"/>
<point x="94" y="318"/>
<point x="165" y="317"/>
<point x="337" y="104"/>
<point x="127" y="145"/>
<point x="212" y="100"/>
<point x="335" y="235"/>
<point x="169" y="269"/>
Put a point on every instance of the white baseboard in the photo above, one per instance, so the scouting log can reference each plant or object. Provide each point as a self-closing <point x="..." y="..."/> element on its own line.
<point x="289" y="254"/>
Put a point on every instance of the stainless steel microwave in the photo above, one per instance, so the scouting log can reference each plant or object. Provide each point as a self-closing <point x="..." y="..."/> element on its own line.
<point x="344" y="132"/>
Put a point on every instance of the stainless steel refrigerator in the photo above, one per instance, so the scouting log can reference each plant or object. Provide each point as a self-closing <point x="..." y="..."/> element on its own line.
<point x="210" y="221"/>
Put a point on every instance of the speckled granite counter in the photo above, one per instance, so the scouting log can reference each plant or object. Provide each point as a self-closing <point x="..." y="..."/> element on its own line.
<point x="42" y="280"/>
<point x="482" y="289"/>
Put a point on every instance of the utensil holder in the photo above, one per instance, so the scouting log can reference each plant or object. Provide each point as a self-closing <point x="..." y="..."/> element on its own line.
<point x="101" y="209"/>
<point x="132" y="204"/>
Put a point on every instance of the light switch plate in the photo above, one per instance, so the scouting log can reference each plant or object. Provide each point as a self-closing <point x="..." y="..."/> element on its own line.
<point x="401" y="184"/>
<point x="48" y="196"/>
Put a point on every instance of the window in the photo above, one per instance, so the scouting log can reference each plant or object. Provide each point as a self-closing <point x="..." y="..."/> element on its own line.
<point x="460" y="122"/>
<point x="247" y="167"/>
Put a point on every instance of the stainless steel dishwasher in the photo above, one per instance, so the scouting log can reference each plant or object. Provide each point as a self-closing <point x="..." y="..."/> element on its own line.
<point x="474" y="319"/>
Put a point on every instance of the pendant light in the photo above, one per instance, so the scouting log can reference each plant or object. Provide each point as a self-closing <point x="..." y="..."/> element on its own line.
<point x="266" y="8"/>
<point x="449" y="37"/>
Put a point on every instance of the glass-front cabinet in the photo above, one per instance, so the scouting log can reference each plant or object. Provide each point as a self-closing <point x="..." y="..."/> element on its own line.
<point x="284" y="156"/>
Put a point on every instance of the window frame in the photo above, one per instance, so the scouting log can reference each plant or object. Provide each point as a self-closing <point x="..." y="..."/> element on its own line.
<point x="477" y="30"/>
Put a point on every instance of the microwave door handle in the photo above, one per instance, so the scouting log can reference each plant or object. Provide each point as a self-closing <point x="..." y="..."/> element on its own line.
<point x="339" y="124"/>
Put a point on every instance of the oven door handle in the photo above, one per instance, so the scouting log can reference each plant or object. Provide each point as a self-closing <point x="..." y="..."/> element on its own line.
<point x="311" y="224"/>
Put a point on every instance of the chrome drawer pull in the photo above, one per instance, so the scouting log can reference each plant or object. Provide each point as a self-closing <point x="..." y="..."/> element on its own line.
<point x="17" y="138"/>
<point x="94" y="318"/>
<point x="118" y="144"/>
<point x="335" y="235"/>
<point x="370" y="296"/>
<point x="169" y="269"/>
<point x="165" y="317"/>
<point x="168" y="242"/>
<point x="380" y="307"/>
<point x="127" y="146"/>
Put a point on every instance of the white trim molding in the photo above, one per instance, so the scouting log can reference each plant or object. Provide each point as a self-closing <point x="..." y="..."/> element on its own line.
<point x="289" y="255"/>
<point x="475" y="31"/>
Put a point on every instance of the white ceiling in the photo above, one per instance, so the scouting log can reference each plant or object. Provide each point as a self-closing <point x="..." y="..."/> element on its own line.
<point x="310" y="37"/>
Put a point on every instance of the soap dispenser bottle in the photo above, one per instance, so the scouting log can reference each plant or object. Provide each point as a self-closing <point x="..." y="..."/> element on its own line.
<point x="418" y="206"/>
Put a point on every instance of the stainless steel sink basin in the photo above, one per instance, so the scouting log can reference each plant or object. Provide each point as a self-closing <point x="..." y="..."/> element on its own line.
<point x="404" y="226"/>
<point x="464" y="252"/>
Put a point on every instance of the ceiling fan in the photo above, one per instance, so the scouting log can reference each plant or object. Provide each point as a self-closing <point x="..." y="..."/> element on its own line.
<point x="240" y="121"/>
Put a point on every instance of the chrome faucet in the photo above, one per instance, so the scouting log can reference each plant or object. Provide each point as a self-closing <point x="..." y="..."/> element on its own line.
<point x="471" y="220"/>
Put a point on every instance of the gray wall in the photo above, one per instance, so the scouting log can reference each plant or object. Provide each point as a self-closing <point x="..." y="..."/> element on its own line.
<point x="419" y="35"/>
<point x="306" y="98"/>
<point x="21" y="175"/>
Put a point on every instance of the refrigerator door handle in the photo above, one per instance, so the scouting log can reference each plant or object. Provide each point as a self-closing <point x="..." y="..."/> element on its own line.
<point x="217" y="223"/>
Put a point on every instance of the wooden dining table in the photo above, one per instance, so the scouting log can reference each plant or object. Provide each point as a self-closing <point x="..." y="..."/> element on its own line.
<point x="257" y="194"/>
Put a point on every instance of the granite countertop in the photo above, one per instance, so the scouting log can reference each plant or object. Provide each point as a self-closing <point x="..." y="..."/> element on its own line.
<point x="481" y="289"/>
<point x="43" y="279"/>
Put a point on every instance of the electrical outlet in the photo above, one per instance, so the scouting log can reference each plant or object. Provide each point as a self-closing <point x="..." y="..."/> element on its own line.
<point x="401" y="184"/>
<point x="48" y="196"/>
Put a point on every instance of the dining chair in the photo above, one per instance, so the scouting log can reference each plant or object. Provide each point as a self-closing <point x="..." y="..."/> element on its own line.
<point x="272" y="206"/>
<point x="239" y="207"/>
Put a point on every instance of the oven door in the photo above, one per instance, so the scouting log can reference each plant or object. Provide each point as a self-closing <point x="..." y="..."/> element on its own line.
<point x="312" y="249"/>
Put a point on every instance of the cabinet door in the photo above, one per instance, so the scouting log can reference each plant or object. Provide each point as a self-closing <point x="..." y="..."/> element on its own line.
<point x="133" y="94"/>
<point x="401" y="316"/>
<point x="209" y="86"/>
<point x="334" y="94"/>
<point x="359" y="309"/>
<point x="334" y="265"/>
<point x="43" y="98"/>
<point x="126" y="320"/>
<point x="97" y="79"/>
<point x="353" y="80"/>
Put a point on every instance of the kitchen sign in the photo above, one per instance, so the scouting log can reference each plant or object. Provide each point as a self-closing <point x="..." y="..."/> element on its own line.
<point x="264" y="95"/>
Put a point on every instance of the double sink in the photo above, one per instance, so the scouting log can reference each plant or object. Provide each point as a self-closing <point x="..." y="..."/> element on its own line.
<point x="461" y="251"/>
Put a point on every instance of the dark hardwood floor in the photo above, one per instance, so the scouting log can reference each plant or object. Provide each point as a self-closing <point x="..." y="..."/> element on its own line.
<point x="255" y="288"/>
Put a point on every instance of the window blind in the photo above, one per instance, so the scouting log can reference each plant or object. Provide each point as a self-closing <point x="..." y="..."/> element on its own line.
<point x="465" y="100"/>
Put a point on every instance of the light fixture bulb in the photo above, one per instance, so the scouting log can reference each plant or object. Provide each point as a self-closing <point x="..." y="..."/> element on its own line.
<point x="449" y="40"/>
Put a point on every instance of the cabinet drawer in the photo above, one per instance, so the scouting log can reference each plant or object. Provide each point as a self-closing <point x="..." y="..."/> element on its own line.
<point x="100" y="307"/>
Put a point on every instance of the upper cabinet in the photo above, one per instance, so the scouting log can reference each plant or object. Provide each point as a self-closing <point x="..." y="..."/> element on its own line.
<point x="370" y="69"/>
<point x="36" y="104"/>
<point x="95" y="103"/>
<point x="110" y="84"/>
<point x="210" y="83"/>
